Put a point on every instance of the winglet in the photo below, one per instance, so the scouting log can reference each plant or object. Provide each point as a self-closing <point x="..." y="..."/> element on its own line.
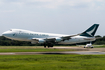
<point x="90" y="32"/>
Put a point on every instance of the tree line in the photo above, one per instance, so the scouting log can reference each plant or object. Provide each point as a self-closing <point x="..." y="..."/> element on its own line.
<point x="8" y="42"/>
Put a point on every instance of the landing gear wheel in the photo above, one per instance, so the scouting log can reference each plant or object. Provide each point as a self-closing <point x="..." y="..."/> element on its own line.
<point x="92" y="47"/>
<point x="44" y="45"/>
<point x="50" y="45"/>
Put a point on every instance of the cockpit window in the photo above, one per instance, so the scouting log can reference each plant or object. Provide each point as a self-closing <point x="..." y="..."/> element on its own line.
<point x="11" y="30"/>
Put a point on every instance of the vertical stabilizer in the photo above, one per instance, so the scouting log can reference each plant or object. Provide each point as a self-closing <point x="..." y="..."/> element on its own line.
<point x="90" y="32"/>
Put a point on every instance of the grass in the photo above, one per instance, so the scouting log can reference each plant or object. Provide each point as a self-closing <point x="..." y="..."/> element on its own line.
<point x="99" y="46"/>
<point x="48" y="62"/>
<point x="52" y="62"/>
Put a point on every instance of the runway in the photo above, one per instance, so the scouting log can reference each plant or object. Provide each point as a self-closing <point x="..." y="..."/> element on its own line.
<point x="37" y="53"/>
<point x="78" y="50"/>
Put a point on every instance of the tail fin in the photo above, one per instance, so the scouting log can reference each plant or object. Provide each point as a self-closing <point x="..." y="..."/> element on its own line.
<point x="90" y="32"/>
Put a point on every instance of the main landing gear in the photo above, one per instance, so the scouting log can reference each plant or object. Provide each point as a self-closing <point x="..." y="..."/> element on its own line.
<point x="48" y="44"/>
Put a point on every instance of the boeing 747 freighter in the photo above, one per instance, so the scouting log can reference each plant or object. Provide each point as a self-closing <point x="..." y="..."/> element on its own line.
<point x="49" y="39"/>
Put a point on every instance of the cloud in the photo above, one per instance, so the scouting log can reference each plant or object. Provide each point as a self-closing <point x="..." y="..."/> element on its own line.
<point x="55" y="4"/>
<point x="71" y="3"/>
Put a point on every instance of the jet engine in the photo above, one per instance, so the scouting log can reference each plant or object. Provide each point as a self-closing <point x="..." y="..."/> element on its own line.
<point x="37" y="41"/>
<point x="41" y="41"/>
<point x="34" y="42"/>
<point x="58" y="39"/>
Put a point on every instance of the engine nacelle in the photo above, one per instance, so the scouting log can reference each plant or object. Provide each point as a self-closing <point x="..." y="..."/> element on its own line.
<point x="38" y="41"/>
<point x="41" y="41"/>
<point x="58" y="39"/>
<point x="34" y="42"/>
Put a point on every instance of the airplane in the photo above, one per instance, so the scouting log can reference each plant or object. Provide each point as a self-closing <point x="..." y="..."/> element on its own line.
<point x="88" y="45"/>
<point x="49" y="39"/>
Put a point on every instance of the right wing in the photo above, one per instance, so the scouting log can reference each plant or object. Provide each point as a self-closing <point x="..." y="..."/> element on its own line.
<point x="53" y="40"/>
<point x="68" y="37"/>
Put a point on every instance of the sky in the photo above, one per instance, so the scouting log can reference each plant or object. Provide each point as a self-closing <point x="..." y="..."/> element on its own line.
<point x="52" y="16"/>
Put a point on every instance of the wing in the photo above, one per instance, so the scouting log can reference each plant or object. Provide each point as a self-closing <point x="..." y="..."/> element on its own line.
<point x="52" y="40"/>
<point x="68" y="37"/>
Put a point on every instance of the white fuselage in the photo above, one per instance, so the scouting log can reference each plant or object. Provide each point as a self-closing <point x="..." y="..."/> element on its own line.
<point x="25" y="35"/>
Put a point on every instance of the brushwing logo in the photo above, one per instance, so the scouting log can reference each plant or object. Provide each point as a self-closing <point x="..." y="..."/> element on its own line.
<point x="90" y="32"/>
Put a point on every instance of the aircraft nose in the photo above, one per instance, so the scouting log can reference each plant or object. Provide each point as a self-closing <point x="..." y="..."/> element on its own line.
<point x="6" y="34"/>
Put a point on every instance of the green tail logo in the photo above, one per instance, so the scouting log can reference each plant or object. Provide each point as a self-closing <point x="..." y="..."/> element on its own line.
<point x="90" y="32"/>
